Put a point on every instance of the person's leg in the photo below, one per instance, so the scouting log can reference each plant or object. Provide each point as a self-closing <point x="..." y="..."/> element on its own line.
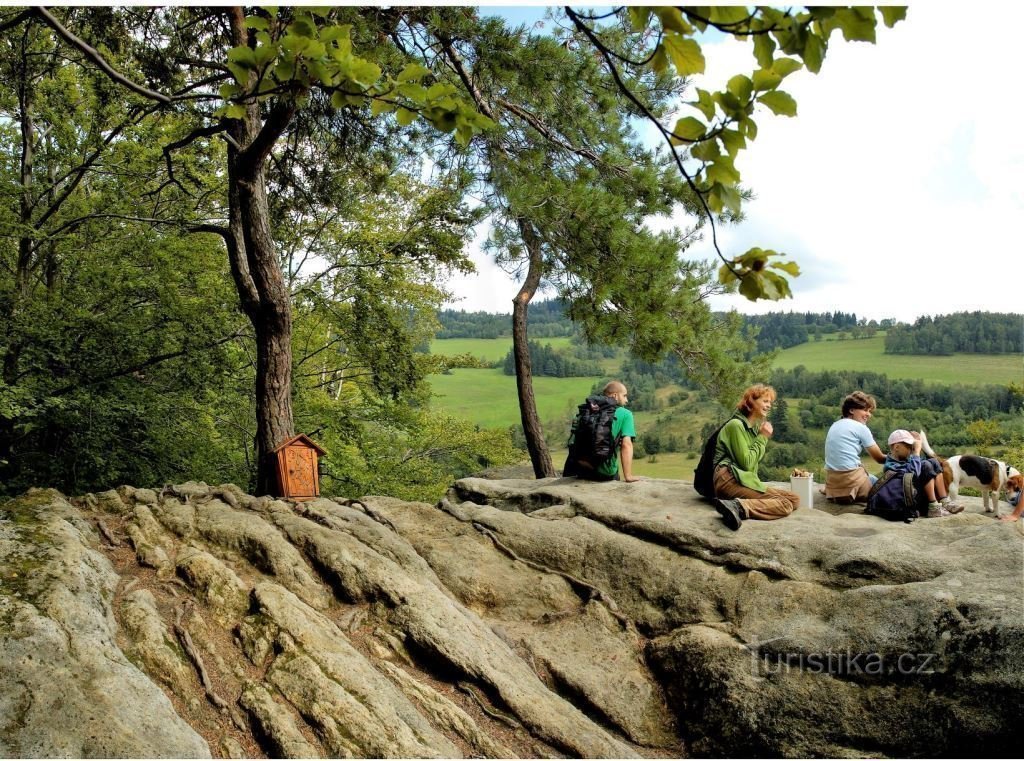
<point x="765" y="506"/>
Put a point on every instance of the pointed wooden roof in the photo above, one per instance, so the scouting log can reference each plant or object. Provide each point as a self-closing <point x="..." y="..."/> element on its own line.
<point x="303" y="438"/>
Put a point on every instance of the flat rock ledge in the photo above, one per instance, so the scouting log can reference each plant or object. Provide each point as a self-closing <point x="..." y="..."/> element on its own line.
<point x="529" y="618"/>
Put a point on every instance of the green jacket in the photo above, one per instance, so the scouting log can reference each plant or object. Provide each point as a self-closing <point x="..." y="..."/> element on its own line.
<point x="742" y="448"/>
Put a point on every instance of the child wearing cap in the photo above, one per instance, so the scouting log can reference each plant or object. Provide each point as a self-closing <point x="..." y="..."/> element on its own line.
<point x="905" y="456"/>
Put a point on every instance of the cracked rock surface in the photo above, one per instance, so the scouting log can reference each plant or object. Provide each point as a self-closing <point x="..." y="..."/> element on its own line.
<point x="515" y="618"/>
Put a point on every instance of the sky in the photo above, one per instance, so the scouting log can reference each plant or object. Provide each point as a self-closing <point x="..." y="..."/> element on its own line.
<point x="899" y="186"/>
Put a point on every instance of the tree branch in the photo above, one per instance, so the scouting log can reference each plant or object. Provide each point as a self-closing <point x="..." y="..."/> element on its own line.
<point x="93" y="55"/>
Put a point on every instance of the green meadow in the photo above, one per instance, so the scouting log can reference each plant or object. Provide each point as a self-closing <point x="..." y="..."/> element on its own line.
<point x="869" y="354"/>
<point x="489" y="399"/>
<point x="489" y="349"/>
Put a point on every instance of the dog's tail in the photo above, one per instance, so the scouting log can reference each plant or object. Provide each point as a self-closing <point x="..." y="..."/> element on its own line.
<point x="926" y="446"/>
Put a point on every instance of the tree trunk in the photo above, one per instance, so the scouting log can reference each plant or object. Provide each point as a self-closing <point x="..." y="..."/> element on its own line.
<point x="538" y="448"/>
<point x="257" y="272"/>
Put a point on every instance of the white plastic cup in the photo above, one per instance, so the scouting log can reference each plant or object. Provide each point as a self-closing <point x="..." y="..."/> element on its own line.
<point x="803" y="486"/>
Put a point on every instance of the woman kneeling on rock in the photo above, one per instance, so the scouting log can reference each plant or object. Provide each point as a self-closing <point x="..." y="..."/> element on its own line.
<point x="739" y="492"/>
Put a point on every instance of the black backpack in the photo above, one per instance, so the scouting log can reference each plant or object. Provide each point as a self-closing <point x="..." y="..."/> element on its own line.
<point x="893" y="498"/>
<point x="704" y="475"/>
<point x="591" y="439"/>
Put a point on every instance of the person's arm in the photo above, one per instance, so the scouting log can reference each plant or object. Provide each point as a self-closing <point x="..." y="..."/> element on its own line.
<point x="1015" y="515"/>
<point x="876" y="454"/>
<point x="626" y="460"/>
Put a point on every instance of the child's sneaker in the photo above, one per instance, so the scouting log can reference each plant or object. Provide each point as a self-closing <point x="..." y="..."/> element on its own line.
<point x="935" y="510"/>
<point x="951" y="507"/>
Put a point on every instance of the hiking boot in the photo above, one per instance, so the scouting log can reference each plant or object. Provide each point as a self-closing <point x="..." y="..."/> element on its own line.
<point x="951" y="507"/>
<point x="732" y="512"/>
<point x="935" y="510"/>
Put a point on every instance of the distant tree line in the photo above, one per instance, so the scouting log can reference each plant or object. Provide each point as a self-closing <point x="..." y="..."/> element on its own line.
<point x="781" y="330"/>
<point x="552" y="362"/>
<point x="967" y="332"/>
<point x="546" y="319"/>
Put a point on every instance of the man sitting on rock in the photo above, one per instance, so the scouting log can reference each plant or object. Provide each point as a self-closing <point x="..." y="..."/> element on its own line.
<point x="602" y="436"/>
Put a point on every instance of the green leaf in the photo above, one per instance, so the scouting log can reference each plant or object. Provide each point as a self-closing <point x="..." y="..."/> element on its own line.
<point x="725" y="275"/>
<point x="405" y="116"/>
<point x="302" y="26"/>
<point x="814" y="53"/>
<point x="733" y="141"/>
<point x="688" y="129"/>
<point x="639" y="16"/>
<point x="728" y="15"/>
<point x="855" y="26"/>
<point x="764" y="50"/>
<point x="339" y="33"/>
<point x="685" y="53"/>
<point x="750" y="286"/>
<point x="705" y="103"/>
<point x="413" y="72"/>
<point x="766" y="79"/>
<point x="786" y="66"/>
<point x="234" y="111"/>
<point x="731" y="198"/>
<point x="239" y="72"/>
<point x="723" y="171"/>
<point x="414" y="92"/>
<point x="893" y="13"/>
<point x="365" y="72"/>
<point x="378" y="107"/>
<point x="264" y="54"/>
<point x="256" y="22"/>
<point x="228" y="91"/>
<point x="749" y="127"/>
<point x="791" y="267"/>
<point x="285" y="70"/>
<point x="706" y="150"/>
<point x="672" y="20"/>
<point x="463" y="135"/>
<point x="740" y="86"/>
<point x="440" y="90"/>
<point x="781" y="103"/>
<point x="338" y="100"/>
<point x="243" y="56"/>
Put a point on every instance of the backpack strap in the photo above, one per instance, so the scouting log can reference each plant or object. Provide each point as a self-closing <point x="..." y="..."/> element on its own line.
<point x="909" y="498"/>
<point x="877" y="485"/>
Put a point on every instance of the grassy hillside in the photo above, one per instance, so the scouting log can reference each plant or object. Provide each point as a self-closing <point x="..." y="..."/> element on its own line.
<point x="490" y="349"/>
<point x="869" y="354"/>
<point x="489" y="398"/>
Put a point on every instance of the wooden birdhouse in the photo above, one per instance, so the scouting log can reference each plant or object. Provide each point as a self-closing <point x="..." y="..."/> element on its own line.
<point x="298" y="477"/>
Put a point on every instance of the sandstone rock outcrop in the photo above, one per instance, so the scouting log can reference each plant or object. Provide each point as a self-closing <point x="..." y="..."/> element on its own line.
<point x="516" y="617"/>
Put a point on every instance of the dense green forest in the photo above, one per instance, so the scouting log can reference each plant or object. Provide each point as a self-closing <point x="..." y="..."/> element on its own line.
<point x="964" y="332"/>
<point x="546" y="319"/>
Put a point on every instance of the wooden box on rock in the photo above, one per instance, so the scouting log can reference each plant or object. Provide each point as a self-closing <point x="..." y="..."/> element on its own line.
<point x="298" y="476"/>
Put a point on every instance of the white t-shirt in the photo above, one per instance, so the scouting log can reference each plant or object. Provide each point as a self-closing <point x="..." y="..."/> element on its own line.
<point x="844" y="443"/>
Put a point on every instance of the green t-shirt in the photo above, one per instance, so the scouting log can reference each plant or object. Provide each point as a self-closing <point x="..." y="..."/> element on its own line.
<point x="742" y="448"/>
<point x="622" y="425"/>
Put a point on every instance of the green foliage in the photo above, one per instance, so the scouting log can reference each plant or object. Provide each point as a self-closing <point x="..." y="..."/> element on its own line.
<point x="294" y="50"/>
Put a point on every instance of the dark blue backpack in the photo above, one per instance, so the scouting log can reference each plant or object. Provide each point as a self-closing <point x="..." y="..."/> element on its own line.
<point x="894" y="497"/>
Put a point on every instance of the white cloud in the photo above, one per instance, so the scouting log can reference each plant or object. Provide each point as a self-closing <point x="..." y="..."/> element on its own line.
<point x="898" y="187"/>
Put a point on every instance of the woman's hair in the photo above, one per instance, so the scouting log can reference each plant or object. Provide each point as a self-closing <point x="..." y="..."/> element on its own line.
<point x="752" y="394"/>
<point x="858" y="400"/>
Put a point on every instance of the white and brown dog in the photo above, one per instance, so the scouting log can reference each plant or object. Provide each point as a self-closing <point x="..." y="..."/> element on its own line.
<point x="984" y="473"/>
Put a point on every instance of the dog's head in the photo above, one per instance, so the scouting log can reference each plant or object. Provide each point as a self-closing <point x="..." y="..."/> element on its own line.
<point x="1014" y="488"/>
